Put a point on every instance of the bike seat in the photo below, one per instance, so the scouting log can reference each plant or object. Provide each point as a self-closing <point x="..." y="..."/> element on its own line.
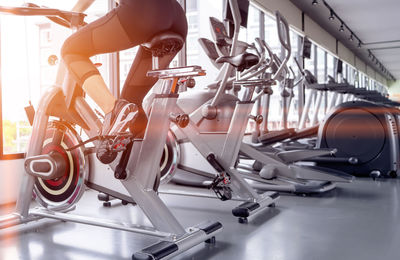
<point x="241" y="62"/>
<point x="165" y="43"/>
<point x="310" y="78"/>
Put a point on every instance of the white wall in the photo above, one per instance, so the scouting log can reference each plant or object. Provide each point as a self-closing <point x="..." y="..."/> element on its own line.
<point x="315" y="32"/>
<point x="360" y="65"/>
<point x="345" y="54"/>
<point x="10" y="172"/>
<point x="319" y="35"/>
<point x="370" y="72"/>
<point x="285" y="7"/>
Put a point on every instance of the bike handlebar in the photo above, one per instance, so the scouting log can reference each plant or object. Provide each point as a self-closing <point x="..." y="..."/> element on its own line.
<point x="64" y="18"/>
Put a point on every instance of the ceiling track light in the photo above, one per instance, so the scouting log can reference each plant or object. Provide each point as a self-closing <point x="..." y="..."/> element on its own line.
<point x="359" y="44"/>
<point x="314" y="2"/>
<point x="331" y="16"/>
<point x="341" y="29"/>
<point x="351" y="37"/>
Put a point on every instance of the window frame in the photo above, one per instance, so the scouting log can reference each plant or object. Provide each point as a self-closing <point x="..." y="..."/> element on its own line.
<point x="14" y="156"/>
<point x="114" y="71"/>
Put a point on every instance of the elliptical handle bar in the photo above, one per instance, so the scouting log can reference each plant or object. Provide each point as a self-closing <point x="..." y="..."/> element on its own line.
<point x="270" y="53"/>
<point x="298" y="65"/>
<point x="284" y="38"/>
<point x="63" y="18"/>
<point x="283" y="31"/>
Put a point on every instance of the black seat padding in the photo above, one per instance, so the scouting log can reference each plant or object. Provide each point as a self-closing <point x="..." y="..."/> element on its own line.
<point x="165" y="43"/>
<point x="241" y="62"/>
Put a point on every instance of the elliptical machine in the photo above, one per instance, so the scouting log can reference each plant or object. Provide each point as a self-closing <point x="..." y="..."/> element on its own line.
<point x="364" y="130"/>
<point x="57" y="162"/>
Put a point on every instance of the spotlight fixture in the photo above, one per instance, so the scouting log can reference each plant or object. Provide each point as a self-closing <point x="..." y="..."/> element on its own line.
<point x="369" y="54"/>
<point x="332" y="16"/>
<point x="341" y="29"/>
<point x="351" y="37"/>
<point x="314" y="2"/>
<point x="359" y="44"/>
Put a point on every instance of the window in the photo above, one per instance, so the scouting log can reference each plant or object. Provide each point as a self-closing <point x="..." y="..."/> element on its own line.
<point x="253" y="26"/>
<point x="30" y="41"/>
<point x="330" y="62"/>
<point x="271" y="34"/>
<point x="126" y="58"/>
<point x="293" y="116"/>
<point x="191" y="6"/>
<point x="272" y="39"/>
<point x="351" y="74"/>
<point x="25" y="70"/>
<point x="199" y="27"/>
<point x="321" y="56"/>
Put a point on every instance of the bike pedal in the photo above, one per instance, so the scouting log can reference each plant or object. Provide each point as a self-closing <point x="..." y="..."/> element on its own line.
<point x="110" y="146"/>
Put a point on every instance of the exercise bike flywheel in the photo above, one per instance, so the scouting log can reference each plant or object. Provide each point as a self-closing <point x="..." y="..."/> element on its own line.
<point x="65" y="191"/>
<point x="170" y="158"/>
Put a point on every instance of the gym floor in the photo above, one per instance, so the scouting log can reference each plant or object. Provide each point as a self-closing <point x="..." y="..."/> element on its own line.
<point x="356" y="221"/>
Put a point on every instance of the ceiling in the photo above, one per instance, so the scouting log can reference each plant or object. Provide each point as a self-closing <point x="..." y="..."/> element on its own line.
<point x="375" y="23"/>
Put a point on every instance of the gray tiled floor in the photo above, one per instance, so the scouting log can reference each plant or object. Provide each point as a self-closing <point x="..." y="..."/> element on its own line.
<point x="356" y="221"/>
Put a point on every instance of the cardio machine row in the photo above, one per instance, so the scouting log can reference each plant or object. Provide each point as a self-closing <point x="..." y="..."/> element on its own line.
<point x="209" y="124"/>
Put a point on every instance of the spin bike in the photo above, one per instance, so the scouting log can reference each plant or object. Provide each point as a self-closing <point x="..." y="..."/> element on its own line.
<point x="57" y="165"/>
<point x="218" y="150"/>
<point x="217" y="113"/>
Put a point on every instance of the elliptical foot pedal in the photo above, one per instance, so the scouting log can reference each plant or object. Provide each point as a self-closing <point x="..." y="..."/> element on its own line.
<point x="244" y="210"/>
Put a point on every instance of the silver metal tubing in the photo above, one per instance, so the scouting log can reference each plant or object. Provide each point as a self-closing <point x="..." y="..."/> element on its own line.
<point x="306" y="109"/>
<point x="195" y="194"/>
<point x="35" y="148"/>
<point x="90" y="118"/>
<point x="317" y="107"/>
<point x="10" y="220"/>
<point x="194" y="237"/>
<point x="99" y="222"/>
<point x="142" y="174"/>
<point x="265" y="102"/>
<point x="332" y="101"/>
<point x="14" y="219"/>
